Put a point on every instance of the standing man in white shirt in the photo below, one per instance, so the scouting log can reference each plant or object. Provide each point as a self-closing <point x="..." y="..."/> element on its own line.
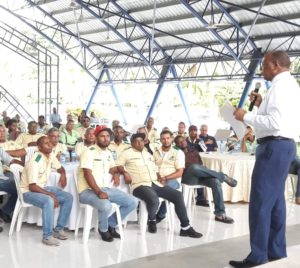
<point x="275" y="127"/>
<point x="55" y="118"/>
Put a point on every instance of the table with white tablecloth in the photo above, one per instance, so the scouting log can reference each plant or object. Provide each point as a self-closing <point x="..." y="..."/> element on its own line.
<point x="236" y="165"/>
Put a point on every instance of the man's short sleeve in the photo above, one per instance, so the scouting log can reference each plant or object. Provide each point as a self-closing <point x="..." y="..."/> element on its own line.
<point x="5" y="157"/>
<point x="87" y="158"/>
<point x="121" y="161"/>
<point x="55" y="163"/>
<point x="32" y="171"/>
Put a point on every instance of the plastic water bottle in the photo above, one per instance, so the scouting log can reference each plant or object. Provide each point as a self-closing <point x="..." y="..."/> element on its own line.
<point x="67" y="156"/>
<point x="222" y="147"/>
<point x="73" y="156"/>
<point x="62" y="158"/>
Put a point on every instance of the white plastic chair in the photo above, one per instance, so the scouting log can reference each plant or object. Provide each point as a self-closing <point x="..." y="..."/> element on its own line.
<point x="30" y="152"/>
<point x="20" y="205"/>
<point x="143" y="215"/>
<point x="189" y="195"/>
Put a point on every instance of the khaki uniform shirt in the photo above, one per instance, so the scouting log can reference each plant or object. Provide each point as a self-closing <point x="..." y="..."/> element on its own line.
<point x="184" y="134"/>
<point x="169" y="162"/>
<point x="99" y="162"/>
<point x="59" y="149"/>
<point x="153" y="136"/>
<point x="7" y="146"/>
<point x="81" y="131"/>
<point x="116" y="149"/>
<point x="140" y="166"/>
<point x="37" y="170"/>
<point x="25" y="138"/>
<point x="80" y="148"/>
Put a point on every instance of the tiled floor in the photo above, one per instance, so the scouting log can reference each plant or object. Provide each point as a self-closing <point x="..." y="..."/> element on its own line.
<point x="25" y="249"/>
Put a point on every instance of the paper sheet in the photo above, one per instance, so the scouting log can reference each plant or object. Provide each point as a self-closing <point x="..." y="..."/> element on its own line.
<point x="239" y="127"/>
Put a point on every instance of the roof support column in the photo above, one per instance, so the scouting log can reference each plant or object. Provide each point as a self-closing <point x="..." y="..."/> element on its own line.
<point x="254" y="63"/>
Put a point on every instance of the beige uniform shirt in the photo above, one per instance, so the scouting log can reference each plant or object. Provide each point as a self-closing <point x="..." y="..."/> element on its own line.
<point x="7" y="146"/>
<point x="81" y="131"/>
<point x="140" y="166"/>
<point x="100" y="162"/>
<point x="80" y="147"/>
<point x="153" y="136"/>
<point x="25" y="138"/>
<point x="59" y="149"/>
<point x="116" y="149"/>
<point x="184" y="134"/>
<point x="169" y="162"/>
<point x="37" y="170"/>
<point x="43" y="130"/>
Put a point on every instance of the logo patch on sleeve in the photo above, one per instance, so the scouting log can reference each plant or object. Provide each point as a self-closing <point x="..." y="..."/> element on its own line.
<point x="38" y="158"/>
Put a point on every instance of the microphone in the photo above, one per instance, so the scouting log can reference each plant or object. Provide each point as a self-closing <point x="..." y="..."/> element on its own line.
<point x="256" y="89"/>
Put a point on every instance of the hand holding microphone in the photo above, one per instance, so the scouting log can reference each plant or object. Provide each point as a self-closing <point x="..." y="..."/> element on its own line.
<point x="255" y="97"/>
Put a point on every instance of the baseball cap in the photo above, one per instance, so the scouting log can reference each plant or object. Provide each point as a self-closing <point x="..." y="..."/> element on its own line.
<point x="101" y="128"/>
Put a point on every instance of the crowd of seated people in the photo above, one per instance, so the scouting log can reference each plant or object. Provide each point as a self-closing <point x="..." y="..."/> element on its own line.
<point x="153" y="165"/>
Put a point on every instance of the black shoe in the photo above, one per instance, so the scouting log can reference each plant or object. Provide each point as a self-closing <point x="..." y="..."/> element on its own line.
<point x="5" y="217"/>
<point x="230" y="181"/>
<point x="159" y="219"/>
<point x="190" y="233"/>
<point x="224" y="219"/>
<point x="202" y="203"/>
<point x="113" y="232"/>
<point x="152" y="227"/>
<point x="106" y="236"/>
<point x="243" y="264"/>
<point x="275" y="259"/>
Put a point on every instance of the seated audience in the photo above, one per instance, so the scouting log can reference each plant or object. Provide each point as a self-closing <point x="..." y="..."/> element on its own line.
<point x="33" y="185"/>
<point x="13" y="131"/>
<point x="85" y="125"/>
<point x="89" y="140"/>
<point x="139" y="170"/>
<point x="21" y="125"/>
<point x="153" y="136"/>
<point x="196" y="174"/>
<point x="96" y="163"/>
<point x="7" y="184"/>
<point x="42" y="126"/>
<point x="118" y="145"/>
<point x="170" y="163"/>
<point x="30" y="138"/>
<point x="181" y="130"/>
<point x="209" y="141"/>
<point x="57" y="148"/>
<point x="151" y="147"/>
<point x="248" y="141"/>
<point x="69" y="136"/>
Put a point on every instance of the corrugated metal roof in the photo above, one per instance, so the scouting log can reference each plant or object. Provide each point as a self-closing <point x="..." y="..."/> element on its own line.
<point x="181" y="34"/>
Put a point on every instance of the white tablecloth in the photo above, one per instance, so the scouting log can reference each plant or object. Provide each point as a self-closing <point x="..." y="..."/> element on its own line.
<point x="236" y="165"/>
<point x="33" y="214"/>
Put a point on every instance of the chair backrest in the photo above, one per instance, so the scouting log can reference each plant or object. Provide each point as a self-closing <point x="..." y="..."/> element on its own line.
<point x="17" y="169"/>
<point x="30" y="152"/>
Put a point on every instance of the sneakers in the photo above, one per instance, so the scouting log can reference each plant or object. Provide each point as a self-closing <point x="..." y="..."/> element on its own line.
<point x="190" y="233"/>
<point x="106" y="236"/>
<point x="61" y="235"/>
<point x="113" y="232"/>
<point x="51" y="241"/>
<point x="224" y="219"/>
<point x="230" y="181"/>
<point x="152" y="227"/>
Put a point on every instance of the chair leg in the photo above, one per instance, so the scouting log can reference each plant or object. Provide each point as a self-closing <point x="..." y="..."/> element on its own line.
<point x="20" y="219"/>
<point x="210" y="198"/>
<point x="88" y="214"/>
<point x="119" y="220"/>
<point x="143" y="218"/>
<point x="15" y="217"/>
<point x="78" y="219"/>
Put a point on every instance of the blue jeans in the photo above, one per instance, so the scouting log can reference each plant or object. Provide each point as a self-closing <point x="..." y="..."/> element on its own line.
<point x="163" y="208"/>
<point x="46" y="203"/>
<point x="295" y="169"/>
<point x="126" y="202"/>
<point x="197" y="174"/>
<point x="9" y="186"/>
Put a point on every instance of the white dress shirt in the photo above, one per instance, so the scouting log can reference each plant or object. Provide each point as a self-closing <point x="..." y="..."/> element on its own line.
<point x="278" y="114"/>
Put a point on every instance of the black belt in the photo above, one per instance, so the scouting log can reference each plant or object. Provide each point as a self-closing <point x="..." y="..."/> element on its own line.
<point x="271" y="138"/>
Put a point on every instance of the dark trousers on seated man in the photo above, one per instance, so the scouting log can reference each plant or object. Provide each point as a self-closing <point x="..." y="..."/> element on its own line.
<point x="197" y="174"/>
<point x="8" y="185"/>
<point x="151" y="194"/>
